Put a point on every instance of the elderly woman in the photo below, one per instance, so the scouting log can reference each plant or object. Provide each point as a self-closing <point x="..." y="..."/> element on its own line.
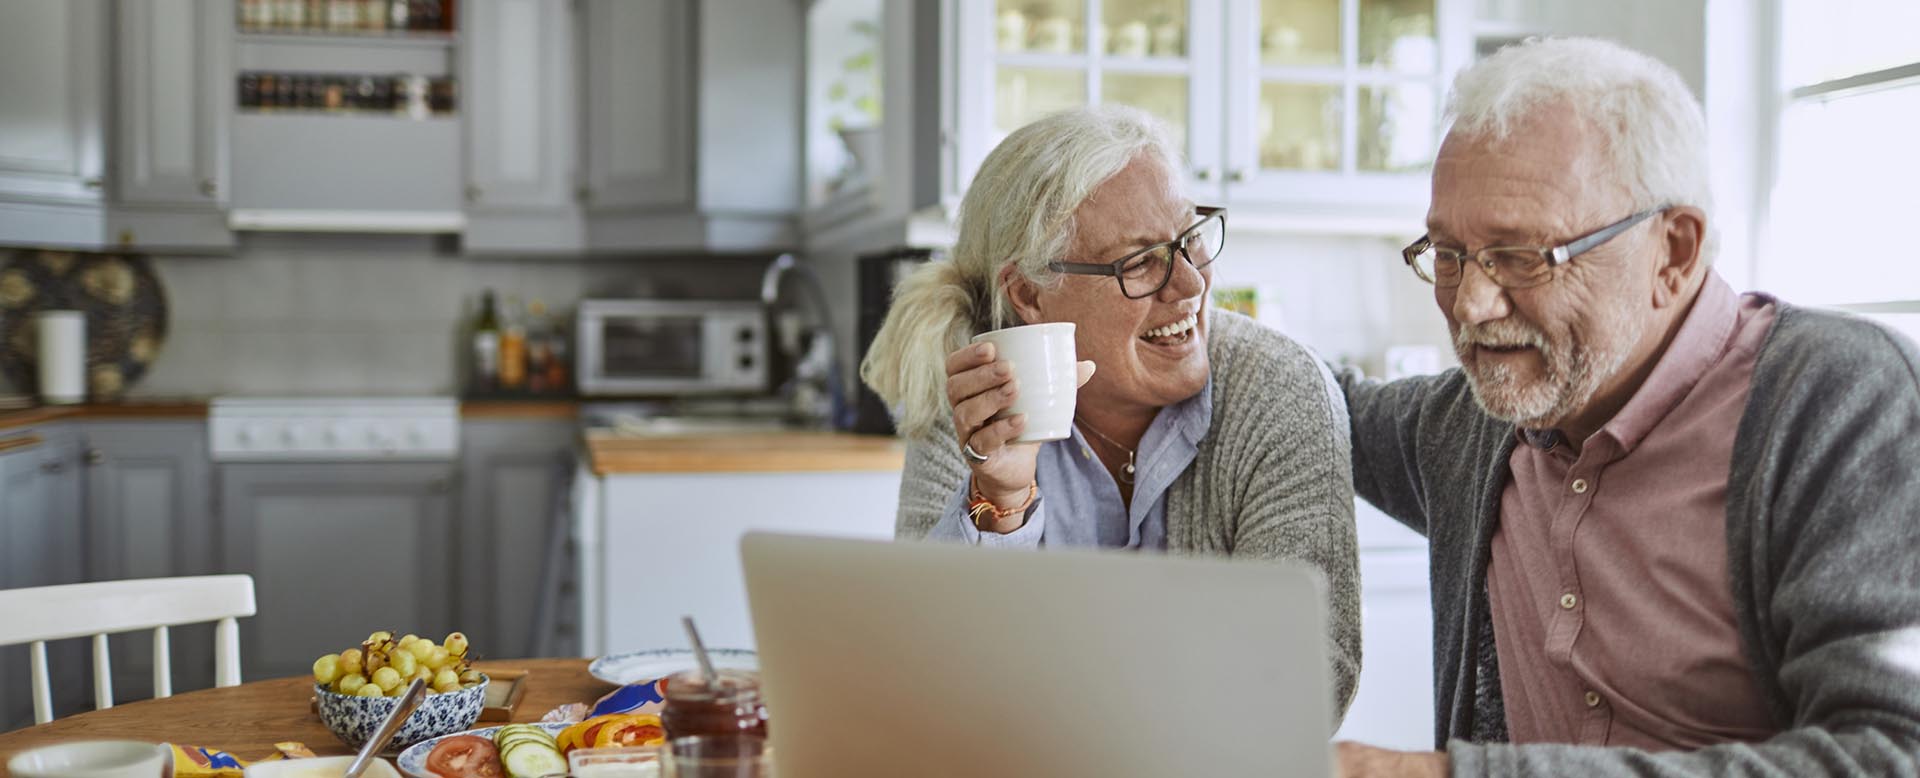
<point x="1200" y="432"/>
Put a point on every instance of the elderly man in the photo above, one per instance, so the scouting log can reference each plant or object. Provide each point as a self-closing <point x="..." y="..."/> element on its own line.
<point x="1672" y="527"/>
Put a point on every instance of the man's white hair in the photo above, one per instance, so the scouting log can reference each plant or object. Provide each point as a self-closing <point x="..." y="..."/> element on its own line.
<point x="1653" y="130"/>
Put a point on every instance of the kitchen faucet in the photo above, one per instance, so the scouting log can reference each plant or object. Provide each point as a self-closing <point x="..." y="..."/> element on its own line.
<point x="840" y="415"/>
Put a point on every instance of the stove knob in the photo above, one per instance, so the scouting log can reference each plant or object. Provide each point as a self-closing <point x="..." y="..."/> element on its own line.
<point x="381" y="438"/>
<point x="416" y="437"/>
<point x="290" y="436"/>
<point x="248" y="435"/>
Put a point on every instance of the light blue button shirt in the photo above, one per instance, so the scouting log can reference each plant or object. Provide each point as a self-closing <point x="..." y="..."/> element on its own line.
<point x="1079" y="503"/>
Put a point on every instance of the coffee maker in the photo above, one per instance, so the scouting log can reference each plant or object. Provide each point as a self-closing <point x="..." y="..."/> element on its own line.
<point x="879" y="273"/>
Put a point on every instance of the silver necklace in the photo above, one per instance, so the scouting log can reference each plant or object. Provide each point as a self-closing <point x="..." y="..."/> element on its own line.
<point x="1126" y="473"/>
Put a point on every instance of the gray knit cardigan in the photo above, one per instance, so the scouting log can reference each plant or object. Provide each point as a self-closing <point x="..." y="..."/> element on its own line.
<point x="1271" y="479"/>
<point x="1823" y="555"/>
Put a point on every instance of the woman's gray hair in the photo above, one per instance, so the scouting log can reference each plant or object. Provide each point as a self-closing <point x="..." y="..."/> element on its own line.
<point x="1018" y="212"/>
<point x="1653" y="130"/>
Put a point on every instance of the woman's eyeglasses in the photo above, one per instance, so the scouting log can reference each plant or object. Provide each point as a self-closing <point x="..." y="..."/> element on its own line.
<point x="1146" y="271"/>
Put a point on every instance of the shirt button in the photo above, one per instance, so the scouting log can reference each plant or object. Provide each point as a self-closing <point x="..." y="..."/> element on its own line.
<point x="1567" y="601"/>
<point x="1593" y="699"/>
<point x="1579" y="486"/>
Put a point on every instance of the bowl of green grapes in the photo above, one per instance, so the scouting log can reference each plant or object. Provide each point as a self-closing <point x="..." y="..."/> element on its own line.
<point x="358" y="688"/>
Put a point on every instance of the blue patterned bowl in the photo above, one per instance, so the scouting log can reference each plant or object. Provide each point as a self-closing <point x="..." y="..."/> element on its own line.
<point x="353" y="718"/>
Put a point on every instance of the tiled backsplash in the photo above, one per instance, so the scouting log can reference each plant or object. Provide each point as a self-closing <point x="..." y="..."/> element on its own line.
<point x="340" y="315"/>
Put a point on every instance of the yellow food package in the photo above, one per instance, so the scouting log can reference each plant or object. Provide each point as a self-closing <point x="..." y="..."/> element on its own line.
<point x="203" y="762"/>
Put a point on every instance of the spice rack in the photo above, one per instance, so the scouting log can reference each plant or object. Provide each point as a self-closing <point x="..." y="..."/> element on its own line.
<point x="340" y="123"/>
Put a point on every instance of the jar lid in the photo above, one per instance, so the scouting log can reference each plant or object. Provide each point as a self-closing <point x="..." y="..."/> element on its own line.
<point x="727" y="684"/>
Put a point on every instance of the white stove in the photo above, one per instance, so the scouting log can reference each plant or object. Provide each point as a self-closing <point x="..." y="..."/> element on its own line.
<point x="334" y="429"/>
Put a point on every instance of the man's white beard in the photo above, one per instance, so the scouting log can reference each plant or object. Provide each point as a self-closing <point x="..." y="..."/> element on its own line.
<point x="1570" y="381"/>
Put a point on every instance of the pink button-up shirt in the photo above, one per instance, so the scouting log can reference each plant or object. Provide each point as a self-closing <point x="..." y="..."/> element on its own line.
<point x="1612" y="610"/>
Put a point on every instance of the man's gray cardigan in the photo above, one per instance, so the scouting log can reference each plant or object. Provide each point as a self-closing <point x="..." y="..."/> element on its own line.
<point x="1823" y="541"/>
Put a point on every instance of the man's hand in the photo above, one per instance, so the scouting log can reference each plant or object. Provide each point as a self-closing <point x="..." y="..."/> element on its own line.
<point x="1362" y="761"/>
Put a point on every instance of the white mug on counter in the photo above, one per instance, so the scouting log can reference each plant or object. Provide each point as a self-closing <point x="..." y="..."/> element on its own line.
<point x="63" y="356"/>
<point x="1046" y="372"/>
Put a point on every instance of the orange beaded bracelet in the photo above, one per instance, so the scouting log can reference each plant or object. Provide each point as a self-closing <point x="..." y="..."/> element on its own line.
<point x="980" y="507"/>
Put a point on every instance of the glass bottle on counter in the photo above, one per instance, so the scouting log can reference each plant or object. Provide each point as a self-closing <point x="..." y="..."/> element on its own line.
<point x="486" y="346"/>
<point x="538" y="353"/>
<point x="513" y="349"/>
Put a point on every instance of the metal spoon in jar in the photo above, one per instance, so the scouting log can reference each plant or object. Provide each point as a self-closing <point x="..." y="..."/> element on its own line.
<point x="388" y="728"/>
<point x="699" y="652"/>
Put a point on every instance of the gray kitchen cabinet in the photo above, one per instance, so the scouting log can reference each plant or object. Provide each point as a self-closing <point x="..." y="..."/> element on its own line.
<point x="336" y="551"/>
<point x="53" y="83"/>
<point x="41" y="539"/>
<point x="513" y="472"/>
<point x="517" y="71"/>
<point x="174" y="89"/>
<point x="639" y="104"/>
<point x="158" y="179"/>
<point x="150" y="515"/>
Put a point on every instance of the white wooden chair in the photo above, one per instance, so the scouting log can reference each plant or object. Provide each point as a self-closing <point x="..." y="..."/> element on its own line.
<point x="39" y="614"/>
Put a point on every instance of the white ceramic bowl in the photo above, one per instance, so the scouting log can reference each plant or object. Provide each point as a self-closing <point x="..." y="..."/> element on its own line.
<point x="323" y="767"/>
<point x="91" y="759"/>
<point x="353" y="718"/>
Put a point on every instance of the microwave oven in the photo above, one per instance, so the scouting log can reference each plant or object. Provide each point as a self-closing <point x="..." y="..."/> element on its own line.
<point x="670" y="347"/>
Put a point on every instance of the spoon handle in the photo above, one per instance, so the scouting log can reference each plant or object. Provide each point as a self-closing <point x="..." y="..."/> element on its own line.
<point x="408" y="702"/>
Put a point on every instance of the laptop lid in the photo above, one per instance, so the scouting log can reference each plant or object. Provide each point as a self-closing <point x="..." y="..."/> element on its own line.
<point x="890" y="659"/>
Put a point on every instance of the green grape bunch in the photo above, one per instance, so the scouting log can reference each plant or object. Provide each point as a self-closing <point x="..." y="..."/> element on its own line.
<point x="383" y="667"/>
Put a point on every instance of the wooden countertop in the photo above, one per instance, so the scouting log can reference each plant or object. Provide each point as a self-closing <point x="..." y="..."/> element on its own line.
<point x="757" y="452"/>
<point x="130" y="409"/>
<point x="558" y="409"/>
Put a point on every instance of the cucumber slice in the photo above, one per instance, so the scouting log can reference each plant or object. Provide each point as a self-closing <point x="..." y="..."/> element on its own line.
<point x="517" y="737"/>
<point x="533" y="760"/>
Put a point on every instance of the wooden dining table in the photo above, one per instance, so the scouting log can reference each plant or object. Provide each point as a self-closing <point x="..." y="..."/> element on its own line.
<point x="246" y="720"/>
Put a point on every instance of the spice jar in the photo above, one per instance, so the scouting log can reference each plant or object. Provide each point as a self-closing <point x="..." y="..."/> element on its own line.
<point x="730" y="705"/>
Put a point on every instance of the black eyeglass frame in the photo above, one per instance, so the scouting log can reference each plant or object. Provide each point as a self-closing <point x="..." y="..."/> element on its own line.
<point x="1553" y="256"/>
<point x="1116" y="268"/>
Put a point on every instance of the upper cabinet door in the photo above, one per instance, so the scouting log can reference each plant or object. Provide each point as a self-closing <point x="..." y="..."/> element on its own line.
<point x="518" y="68"/>
<point x="639" y="104"/>
<point x="53" y="86"/>
<point x="1335" y="104"/>
<point x="175" y="79"/>
<point x="1162" y="56"/>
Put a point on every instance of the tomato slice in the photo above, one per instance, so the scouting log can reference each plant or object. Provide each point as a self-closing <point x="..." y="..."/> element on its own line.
<point x="465" y="756"/>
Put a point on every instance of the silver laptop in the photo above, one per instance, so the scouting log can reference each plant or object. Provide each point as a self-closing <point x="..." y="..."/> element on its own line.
<point x="912" y="659"/>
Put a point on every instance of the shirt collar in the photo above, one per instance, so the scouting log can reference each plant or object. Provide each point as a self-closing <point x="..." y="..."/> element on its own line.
<point x="1700" y="343"/>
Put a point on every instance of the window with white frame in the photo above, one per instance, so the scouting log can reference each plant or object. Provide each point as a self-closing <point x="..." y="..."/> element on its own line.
<point x="1845" y="202"/>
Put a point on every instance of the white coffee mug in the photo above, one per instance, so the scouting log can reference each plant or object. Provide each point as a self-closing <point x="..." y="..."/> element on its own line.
<point x="1047" y="374"/>
<point x="91" y="759"/>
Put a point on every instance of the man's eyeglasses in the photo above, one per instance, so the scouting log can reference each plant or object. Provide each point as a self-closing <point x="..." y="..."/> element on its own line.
<point x="1144" y="272"/>
<point x="1514" y="267"/>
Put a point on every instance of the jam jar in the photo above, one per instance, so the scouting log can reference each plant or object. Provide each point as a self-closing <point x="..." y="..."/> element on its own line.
<point x="729" y="705"/>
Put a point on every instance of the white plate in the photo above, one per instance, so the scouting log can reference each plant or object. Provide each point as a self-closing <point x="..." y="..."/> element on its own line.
<point x="637" y="666"/>
<point x="413" y="761"/>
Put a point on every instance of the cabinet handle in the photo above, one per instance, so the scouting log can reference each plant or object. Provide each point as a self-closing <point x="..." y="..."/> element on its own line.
<point x="1204" y="174"/>
<point x="96" y="457"/>
<point x="54" y="466"/>
<point x="1238" y="176"/>
<point x="473" y="193"/>
<point x="94" y="183"/>
<point x="208" y="187"/>
<point x="583" y="194"/>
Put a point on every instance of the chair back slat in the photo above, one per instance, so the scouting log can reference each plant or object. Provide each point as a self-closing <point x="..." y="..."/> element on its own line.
<point x="102" y="674"/>
<point x="41" y="614"/>
<point x="42" y="688"/>
<point x="162" y="665"/>
<point x="226" y="653"/>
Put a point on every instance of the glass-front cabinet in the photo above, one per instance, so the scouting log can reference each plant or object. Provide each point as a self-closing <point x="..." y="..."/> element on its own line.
<point x="1300" y="108"/>
<point x="1024" y="59"/>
